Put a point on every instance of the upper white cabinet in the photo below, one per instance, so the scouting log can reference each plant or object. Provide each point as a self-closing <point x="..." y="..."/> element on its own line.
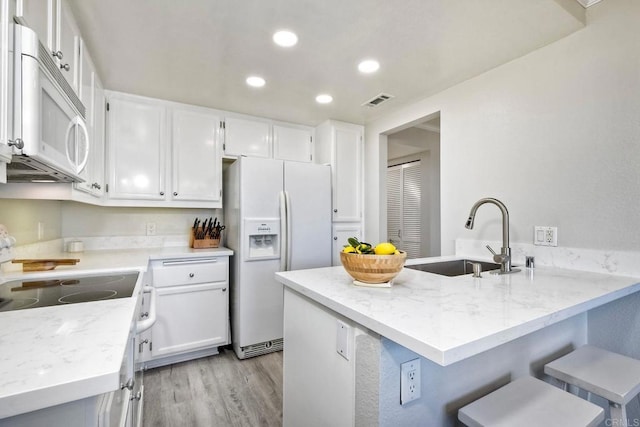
<point x="136" y="147"/>
<point x="53" y="21"/>
<point x="341" y="145"/>
<point x="196" y="156"/>
<point x="92" y="96"/>
<point x="162" y="154"/>
<point x="7" y="9"/>
<point x="265" y="138"/>
<point x="246" y="137"/>
<point x="67" y="46"/>
<point x="292" y="143"/>
<point x="39" y="15"/>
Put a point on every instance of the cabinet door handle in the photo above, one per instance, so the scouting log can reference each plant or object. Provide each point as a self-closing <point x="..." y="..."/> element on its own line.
<point x="18" y="143"/>
<point x="162" y="193"/>
<point x="335" y="210"/>
<point x="65" y="67"/>
<point x="191" y="274"/>
<point x="335" y="238"/>
<point x="224" y="289"/>
<point x="175" y="193"/>
<point x="57" y="54"/>
<point x="190" y="261"/>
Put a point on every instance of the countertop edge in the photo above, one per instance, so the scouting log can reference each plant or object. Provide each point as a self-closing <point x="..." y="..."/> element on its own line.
<point x="452" y="355"/>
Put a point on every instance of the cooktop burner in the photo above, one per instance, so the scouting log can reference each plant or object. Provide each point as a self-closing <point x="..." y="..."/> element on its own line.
<point x="21" y="294"/>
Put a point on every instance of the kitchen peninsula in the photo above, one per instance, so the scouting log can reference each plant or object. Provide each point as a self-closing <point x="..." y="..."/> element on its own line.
<point x="471" y="336"/>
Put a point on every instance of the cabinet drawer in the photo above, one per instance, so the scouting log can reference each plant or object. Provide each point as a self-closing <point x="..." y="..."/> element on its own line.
<point x="189" y="271"/>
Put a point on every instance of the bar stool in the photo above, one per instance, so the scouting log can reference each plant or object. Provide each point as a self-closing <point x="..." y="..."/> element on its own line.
<point x="609" y="375"/>
<point x="529" y="402"/>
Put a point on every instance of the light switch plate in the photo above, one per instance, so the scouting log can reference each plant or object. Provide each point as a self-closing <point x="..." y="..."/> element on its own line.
<point x="545" y="236"/>
<point x="342" y="339"/>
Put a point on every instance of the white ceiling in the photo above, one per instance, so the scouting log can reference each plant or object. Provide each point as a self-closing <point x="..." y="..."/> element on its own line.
<point x="200" y="51"/>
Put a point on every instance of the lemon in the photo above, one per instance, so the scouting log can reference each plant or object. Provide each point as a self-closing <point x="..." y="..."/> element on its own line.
<point x="385" y="249"/>
<point x="396" y="252"/>
<point x="349" y="249"/>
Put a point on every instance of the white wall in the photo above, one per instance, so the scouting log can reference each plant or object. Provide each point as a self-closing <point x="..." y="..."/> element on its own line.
<point x="555" y="135"/>
<point x="21" y="217"/>
<point x="71" y="219"/>
<point x="81" y="220"/>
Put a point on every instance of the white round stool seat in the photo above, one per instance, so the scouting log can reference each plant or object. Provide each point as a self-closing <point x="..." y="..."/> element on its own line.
<point x="529" y="402"/>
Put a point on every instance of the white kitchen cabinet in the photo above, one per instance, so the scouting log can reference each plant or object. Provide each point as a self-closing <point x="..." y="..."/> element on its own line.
<point x="197" y="174"/>
<point x="162" y="154"/>
<point x="341" y="145"/>
<point x="137" y="147"/>
<point x="7" y="10"/>
<point x="92" y="96"/>
<point x="192" y="309"/>
<point x="39" y="15"/>
<point x="247" y="137"/>
<point x="55" y="25"/>
<point x="292" y="143"/>
<point x="67" y="38"/>
<point x="341" y="232"/>
<point x="191" y="317"/>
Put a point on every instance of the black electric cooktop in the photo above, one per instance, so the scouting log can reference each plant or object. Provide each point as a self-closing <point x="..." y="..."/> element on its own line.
<point x="32" y="293"/>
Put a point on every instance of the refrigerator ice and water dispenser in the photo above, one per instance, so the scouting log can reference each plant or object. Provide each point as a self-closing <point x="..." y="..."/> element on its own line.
<point x="263" y="237"/>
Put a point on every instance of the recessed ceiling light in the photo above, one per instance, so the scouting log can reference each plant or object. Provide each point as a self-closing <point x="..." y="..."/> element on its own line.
<point x="324" y="98"/>
<point x="255" y="81"/>
<point x="285" y="38"/>
<point x="369" y="66"/>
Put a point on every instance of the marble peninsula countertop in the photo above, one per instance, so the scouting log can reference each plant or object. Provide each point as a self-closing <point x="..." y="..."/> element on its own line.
<point x="54" y="355"/>
<point x="448" y="319"/>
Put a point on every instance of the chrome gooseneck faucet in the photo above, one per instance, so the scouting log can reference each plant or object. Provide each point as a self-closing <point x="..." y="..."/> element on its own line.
<point x="504" y="257"/>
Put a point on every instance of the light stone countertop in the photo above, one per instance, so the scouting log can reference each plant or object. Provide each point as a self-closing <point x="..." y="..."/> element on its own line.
<point x="54" y="355"/>
<point x="448" y="319"/>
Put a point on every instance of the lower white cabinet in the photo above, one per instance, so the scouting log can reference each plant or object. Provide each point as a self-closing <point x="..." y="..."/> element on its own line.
<point x="192" y="310"/>
<point x="190" y="317"/>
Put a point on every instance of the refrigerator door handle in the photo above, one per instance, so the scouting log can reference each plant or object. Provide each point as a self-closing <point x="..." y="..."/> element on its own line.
<point x="289" y="236"/>
<point x="283" y="231"/>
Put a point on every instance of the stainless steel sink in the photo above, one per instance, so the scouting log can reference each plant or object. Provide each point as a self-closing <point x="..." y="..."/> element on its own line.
<point x="456" y="267"/>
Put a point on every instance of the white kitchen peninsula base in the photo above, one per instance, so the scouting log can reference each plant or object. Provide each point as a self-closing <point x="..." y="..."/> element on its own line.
<point x="471" y="336"/>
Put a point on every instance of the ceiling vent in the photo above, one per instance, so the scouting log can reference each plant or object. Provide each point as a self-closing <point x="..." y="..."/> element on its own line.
<point x="377" y="100"/>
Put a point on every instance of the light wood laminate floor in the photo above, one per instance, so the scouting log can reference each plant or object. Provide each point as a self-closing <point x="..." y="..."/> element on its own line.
<point x="220" y="390"/>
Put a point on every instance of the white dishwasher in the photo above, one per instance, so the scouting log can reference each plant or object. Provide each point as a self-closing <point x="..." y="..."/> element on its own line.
<point x="192" y="309"/>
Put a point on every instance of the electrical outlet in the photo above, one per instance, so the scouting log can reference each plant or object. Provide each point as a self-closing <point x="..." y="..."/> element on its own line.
<point x="410" y="389"/>
<point x="545" y="236"/>
<point x="151" y="229"/>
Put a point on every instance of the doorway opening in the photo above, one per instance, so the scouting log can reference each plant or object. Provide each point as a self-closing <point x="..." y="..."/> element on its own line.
<point x="413" y="188"/>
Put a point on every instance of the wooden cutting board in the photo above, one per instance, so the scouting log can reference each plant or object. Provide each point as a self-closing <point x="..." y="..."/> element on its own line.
<point x="44" y="264"/>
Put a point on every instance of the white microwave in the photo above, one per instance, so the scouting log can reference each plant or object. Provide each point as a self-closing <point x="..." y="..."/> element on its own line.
<point x="50" y="139"/>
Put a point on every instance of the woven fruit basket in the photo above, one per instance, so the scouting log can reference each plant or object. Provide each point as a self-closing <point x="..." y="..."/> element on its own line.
<point x="373" y="268"/>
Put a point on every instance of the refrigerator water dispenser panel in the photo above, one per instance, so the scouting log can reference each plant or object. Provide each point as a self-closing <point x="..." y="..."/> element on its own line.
<point x="263" y="238"/>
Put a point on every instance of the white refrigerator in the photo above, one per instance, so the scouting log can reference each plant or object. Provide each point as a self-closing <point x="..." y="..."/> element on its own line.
<point x="278" y="218"/>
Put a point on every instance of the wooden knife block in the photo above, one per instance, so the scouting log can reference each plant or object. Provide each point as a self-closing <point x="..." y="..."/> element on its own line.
<point x="205" y="243"/>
